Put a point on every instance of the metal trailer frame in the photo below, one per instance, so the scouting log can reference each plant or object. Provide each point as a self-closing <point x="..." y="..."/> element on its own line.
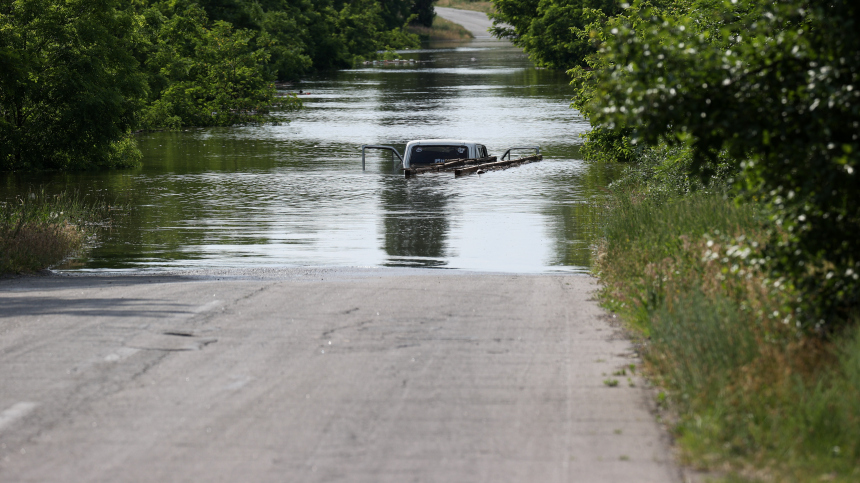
<point x="517" y="148"/>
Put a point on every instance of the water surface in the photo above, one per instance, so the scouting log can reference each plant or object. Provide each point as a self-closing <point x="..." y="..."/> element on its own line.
<point x="294" y="194"/>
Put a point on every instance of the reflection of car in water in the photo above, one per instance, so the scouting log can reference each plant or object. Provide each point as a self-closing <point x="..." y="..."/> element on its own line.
<point x="462" y="157"/>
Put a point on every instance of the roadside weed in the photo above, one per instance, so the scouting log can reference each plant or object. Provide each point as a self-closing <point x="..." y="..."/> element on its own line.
<point x="38" y="230"/>
<point x="757" y="393"/>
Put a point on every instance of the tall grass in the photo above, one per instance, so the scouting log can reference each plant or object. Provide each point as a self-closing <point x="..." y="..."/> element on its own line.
<point x="653" y="248"/>
<point x="475" y="5"/>
<point x="441" y="30"/>
<point x="38" y="230"/>
<point x="756" y="395"/>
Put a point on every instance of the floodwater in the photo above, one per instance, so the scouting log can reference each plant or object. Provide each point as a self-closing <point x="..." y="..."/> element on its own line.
<point x="294" y="194"/>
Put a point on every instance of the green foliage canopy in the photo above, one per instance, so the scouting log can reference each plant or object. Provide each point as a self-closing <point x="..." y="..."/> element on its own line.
<point x="545" y="29"/>
<point x="423" y="12"/>
<point x="77" y="76"/>
<point x="305" y="35"/>
<point x="772" y="87"/>
<point x="69" y="86"/>
<point x="204" y="75"/>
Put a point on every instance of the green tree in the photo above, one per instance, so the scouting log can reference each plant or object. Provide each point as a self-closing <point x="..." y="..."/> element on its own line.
<point x="395" y="13"/>
<point x="303" y="36"/>
<point x="362" y="30"/>
<point x="290" y="58"/>
<point x="773" y="89"/>
<point x="545" y="29"/>
<point x="312" y="37"/>
<point x="76" y="76"/>
<point x="69" y="86"/>
<point x="205" y="74"/>
<point x="423" y="12"/>
<point x="238" y="13"/>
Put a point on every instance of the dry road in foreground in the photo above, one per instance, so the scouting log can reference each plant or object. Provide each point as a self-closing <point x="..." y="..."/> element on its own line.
<point x="310" y="375"/>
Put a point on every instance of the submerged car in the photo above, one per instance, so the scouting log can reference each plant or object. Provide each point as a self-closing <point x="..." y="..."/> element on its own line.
<point x="428" y="155"/>
<point x="433" y="151"/>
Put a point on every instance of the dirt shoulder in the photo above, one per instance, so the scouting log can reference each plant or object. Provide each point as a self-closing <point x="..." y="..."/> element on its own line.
<point x="476" y="22"/>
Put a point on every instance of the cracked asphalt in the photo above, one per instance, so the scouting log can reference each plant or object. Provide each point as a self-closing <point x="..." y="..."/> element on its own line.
<point x="306" y="375"/>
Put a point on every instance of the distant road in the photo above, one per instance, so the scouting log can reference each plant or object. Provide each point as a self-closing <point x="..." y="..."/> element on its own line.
<point x="475" y="22"/>
<point x="320" y="375"/>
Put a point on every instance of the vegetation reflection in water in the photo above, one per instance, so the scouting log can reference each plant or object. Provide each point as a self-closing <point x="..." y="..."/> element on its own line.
<point x="294" y="193"/>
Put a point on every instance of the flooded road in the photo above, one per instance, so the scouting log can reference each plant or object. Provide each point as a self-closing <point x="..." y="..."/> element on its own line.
<point x="288" y="349"/>
<point x="294" y="194"/>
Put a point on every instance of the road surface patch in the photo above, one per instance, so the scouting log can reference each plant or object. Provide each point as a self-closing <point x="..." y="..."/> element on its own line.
<point x="16" y="412"/>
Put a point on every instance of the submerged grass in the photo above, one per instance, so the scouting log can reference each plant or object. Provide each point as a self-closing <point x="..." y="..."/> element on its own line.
<point x="758" y="398"/>
<point x="38" y="230"/>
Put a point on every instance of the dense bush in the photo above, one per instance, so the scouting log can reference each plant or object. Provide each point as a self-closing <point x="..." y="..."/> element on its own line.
<point x="423" y="12"/>
<point x="202" y="75"/>
<point x="77" y="77"/>
<point x="771" y="89"/>
<point x="321" y="34"/>
<point x="205" y="70"/>
<point x="546" y="29"/>
<point x="69" y="86"/>
<point x="763" y="90"/>
<point x="730" y="244"/>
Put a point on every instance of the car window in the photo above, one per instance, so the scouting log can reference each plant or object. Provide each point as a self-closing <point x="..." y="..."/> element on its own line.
<point x="436" y="154"/>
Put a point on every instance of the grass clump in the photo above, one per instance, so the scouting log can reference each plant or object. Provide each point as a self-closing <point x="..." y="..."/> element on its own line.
<point x="653" y="250"/>
<point x="441" y="30"/>
<point x="760" y="395"/>
<point x="38" y="230"/>
<point x="474" y="5"/>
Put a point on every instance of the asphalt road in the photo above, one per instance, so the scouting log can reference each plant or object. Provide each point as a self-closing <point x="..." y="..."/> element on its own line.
<point x="312" y="375"/>
<point x="475" y="22"/>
